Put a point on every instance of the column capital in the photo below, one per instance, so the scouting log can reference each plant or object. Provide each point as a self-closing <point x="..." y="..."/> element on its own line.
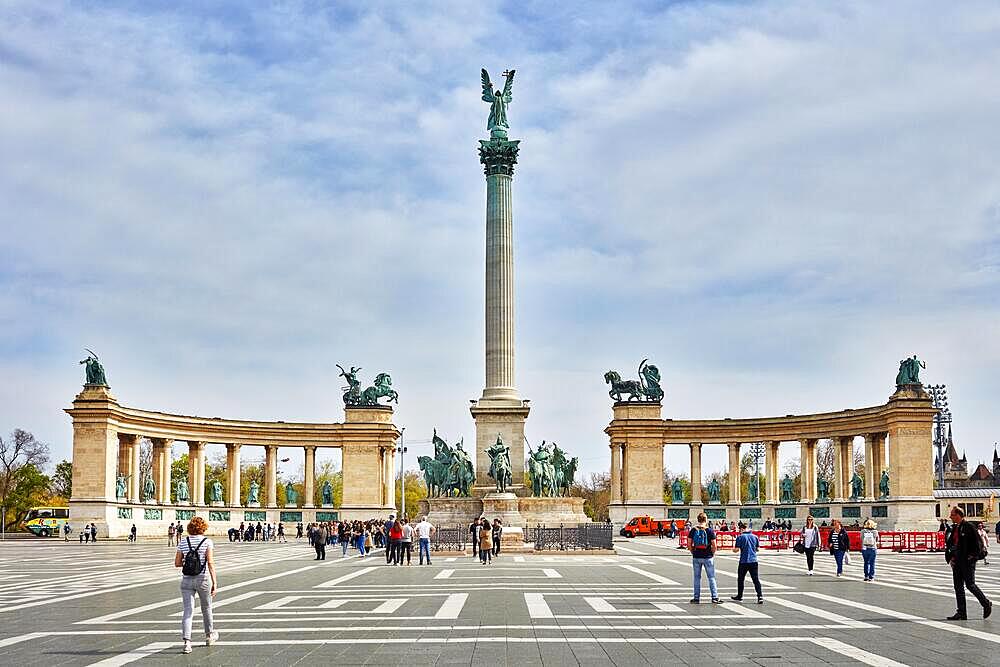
<point x="498" y="156"/>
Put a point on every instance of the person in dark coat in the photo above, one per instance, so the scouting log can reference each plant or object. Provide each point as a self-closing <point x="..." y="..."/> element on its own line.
<point x="839" y="543"/>
<point x="962" y="550"/>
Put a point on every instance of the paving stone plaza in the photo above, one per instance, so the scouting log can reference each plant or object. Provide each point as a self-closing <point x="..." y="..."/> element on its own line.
<point x="114" y="603"/>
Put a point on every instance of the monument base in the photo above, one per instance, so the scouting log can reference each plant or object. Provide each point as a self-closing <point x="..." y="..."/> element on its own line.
<point x="183" y="503"/>
<point x="327" y="506"/>
<point x="253" y="504"/>
<point x="552" y="511"/>
<point x="218" y="503"/>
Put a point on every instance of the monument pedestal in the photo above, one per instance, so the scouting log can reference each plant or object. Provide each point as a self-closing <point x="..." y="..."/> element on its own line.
<point x="254" y="504"/>
<point x="218" y="503"/>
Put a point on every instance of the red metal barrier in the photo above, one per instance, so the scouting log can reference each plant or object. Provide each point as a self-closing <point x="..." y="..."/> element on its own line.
<point x="785" y="539"/>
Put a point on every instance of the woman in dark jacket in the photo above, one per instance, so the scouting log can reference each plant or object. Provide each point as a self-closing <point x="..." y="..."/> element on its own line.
<point x="839" y="543"/>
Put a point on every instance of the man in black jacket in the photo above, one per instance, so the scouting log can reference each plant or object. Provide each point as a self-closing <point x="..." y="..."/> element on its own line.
<point x="961" y="552"/>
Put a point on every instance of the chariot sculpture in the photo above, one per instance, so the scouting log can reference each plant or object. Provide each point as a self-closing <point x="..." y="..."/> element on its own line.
<point x="646" y="388"/>
<point x="354" y="396"/>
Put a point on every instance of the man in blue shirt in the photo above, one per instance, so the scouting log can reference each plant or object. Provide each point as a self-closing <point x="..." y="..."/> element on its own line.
<point x="747" y="544"/>
<point x="701" y="544"/>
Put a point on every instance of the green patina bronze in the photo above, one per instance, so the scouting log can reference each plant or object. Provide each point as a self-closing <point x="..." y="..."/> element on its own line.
<point x="857" y="486"/>
<point x="883" y="485"/>
<point x="497" y="122"/>
<point x="255" y="516"/>
<point x="253" y="493"/>
<point x="820" y="512"/>
<point x="542" y="471"/>
<point x="291" y="496"/>
<point x="909" y="371"/>
<point x="786" y="490"/>
<point x="823" y="490"/>
<point x="148" y="490"/>
<point x="94" y="370"/>
<point x="184" y="515"/>
<point x="646" y="388"/>
<point x="714" y="492"/>
<point x="216" y="491"/>
<point x="327" y="493"/>
<point x="218" y="515"/>
<point x="152" y="514"/>
<point x="124" y="512"/>
<point x="753" y="489"/>
<point x="354" y="396"/>
<point x="750" y="513"/>
<point x="677" y="492"/>
<point x="500" y="467"/>
<point x="450" y="472"/>
<point x="120" y="489"/>
<point x="182" y="491"/>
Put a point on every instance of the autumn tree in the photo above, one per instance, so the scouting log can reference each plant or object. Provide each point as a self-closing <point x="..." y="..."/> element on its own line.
<point x="22" y="482"/>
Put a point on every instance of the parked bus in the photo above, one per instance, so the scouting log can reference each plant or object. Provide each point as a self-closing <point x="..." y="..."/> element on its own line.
<point x="46" y="521"/>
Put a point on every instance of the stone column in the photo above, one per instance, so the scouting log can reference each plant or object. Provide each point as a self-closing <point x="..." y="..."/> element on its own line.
<point x="390" y="476"/>
<point x="271" y="475"/>
<point x="196" y="472"/>
<point x="161" y="469"/>
<point x="133" y="468"/>
<point x="310" y="483"/>
<point x="807" y="465"/>
<point x="837" y="487"/>
<point x="695" y="473"/>
<point x="847" y="451"/>
<point x="734" y="474"/>
<point x="616" y="473"/>
<point x="235" y="474"/>
<point x="870" y="483"/>
<point x="771" y="494"/>
<point x="124" y="458"/>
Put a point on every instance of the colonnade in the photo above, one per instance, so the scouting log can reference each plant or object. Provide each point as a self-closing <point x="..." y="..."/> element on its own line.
<point x="160" y="470"/>
<point x="897" y="440"/>
<point x="840" y="485"/>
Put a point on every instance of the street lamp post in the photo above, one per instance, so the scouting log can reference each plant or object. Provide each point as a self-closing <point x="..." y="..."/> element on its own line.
<point x="401" y="450"/>
<point x="939" y="399"/>
<point x="757" y="451"/>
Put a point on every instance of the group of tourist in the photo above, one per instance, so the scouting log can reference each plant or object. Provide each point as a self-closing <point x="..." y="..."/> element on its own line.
<point x="88" y="534"/>
<point x="259" y="532"/>
<point x="485" y="538"/>
<point x="965" y="545"/>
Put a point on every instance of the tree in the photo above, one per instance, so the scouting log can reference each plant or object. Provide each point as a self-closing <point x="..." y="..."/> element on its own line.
<point x="62" y="480"/>
<point x="416" y="491"/>
<point x="596" y="493"/>
<point x="30" y="489"/>
<point x="21" y="461"/>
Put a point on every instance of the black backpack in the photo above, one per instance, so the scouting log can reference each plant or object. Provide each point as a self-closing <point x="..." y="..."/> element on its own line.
<point x="193" y="566"/>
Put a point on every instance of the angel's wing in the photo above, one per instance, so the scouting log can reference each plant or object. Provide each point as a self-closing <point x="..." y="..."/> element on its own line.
<point x="487" y="87"/>
<point x="507" y="87"/>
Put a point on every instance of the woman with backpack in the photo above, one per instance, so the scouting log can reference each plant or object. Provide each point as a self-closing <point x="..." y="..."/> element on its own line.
<point x="196" y="558"/>
<point x="869" y="547"/>
<point x="839" y="543"/>
<point x="809" y="541"/>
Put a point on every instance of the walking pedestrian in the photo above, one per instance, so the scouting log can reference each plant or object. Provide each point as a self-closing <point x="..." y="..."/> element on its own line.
<point x="170" y="535"/>
<point x="298" y="531"/>
<point x="701" y="544"/>
<point x="406" y="544"/>
<point x="497" y="532"/>
<point x="66" y="531"/>
<point x="985" y="537"/>
<point x="358" y="532"/>
<point x="809" y="541"/>
<point x="281" y="533"/>
<point x="659" y="530"/>
<point x="424" y="529"/>
<point x="319" y="541"/>
<point x="395" y="540"/>
<point x="962" y="550"/>
<point x="869" y="547"/>
<point x="132" y="533"/>
<point x="197" y="560"/>
<point x="747" y="545"/>
<point x="386" y="528"/>
<point x="839" y="543"/>
<point x="93" y="532"/>
<point x="485" y="542"/>
<point x="474" y="533"/>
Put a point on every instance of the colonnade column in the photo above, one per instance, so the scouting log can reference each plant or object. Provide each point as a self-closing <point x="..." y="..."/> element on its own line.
<point x="847" y="462"/>
<point x="161" y="470"/>
<point x="616" y="473"/>
<point x="695" y="473"/>
<point x="309" y="500"/>
<point x="389" y="478"/>
<point x="734" y="474"/>
<point x="870" y="473"/>
<point x="271" y="475"/>
<point x="838" y="470"/>
<point x="196" y="472"/>
<point x="807" y="468"/>
<point x="771" y="496"/>
<point x="134" y="466"/>
<point x="233" y="468"/>
<point x="878" y="461"/>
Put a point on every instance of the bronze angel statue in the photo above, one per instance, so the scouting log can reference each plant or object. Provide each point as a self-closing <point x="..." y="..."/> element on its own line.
<point x="497" y="123"/>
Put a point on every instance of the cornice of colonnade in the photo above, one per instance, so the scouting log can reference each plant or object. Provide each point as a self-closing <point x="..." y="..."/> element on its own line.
<point x="899" y="410"/>
<point x="373" y="426"/>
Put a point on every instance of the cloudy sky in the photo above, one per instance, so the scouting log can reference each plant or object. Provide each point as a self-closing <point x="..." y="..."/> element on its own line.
<point x="773" y="201"/>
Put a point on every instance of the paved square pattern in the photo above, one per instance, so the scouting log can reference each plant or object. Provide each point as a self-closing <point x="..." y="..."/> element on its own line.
<point x="117" y="603"/>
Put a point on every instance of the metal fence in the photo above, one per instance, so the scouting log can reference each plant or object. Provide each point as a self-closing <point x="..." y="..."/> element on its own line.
<point x="570" y="538"/>
<point x="450" y="539"/>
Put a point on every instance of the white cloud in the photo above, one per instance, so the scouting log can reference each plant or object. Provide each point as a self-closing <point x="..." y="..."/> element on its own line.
<point x="773" y="202"/>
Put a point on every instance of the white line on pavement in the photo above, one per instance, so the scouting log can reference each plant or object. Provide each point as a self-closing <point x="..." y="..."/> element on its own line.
<point x="132" y="656"/>
<point x="821" y="613"/>
<point x="452" y="606"/>
<point x="649" y="575"/>
<point x="537" y="607"/>
<point x="346" y="577"/>
<point x="856" y="653"/>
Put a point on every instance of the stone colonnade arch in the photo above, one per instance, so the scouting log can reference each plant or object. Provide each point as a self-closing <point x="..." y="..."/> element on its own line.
<point x="638" y="434"/>
<point x="107" y="437"/>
